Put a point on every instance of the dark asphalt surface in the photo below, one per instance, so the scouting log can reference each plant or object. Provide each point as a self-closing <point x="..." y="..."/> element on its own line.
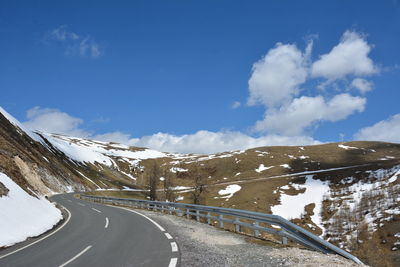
<point x="129" y="240"/>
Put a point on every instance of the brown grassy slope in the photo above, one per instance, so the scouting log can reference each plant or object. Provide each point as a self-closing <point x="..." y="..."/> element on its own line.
<point x="260" y="189"/>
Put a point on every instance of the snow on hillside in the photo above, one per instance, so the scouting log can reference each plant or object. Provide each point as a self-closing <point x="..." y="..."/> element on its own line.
<point x="262" y="168"/>
<point x="372" y="203"/>
<point x="88" y="151"/>
<point x="229" y="191"/>
<point x="22" y="215"/>
<point x="292" y="206"/>
<point x="22" y="129"/>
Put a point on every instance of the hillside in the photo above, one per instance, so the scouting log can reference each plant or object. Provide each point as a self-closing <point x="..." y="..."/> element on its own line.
<point x="348" y="193"/>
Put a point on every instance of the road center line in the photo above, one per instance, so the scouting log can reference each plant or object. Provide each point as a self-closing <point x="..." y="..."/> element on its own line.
<point x="83" y="205"/>
<point x="77" y="256"/>
<point x="173" y="262"/>
<point x="156" y="224"/>
<point x="52" y="233"/>
<point x="174" y="247"/>
<point x="106" y="226"/>
<point x="168" y="235"/>
<point x="96" y="210"/>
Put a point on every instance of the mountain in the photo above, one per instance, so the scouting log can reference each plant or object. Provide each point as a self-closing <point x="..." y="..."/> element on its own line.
<point x="348" y="193"/>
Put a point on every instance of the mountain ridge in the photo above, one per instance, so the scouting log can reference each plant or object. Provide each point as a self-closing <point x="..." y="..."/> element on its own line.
<point x="345" y="192"/>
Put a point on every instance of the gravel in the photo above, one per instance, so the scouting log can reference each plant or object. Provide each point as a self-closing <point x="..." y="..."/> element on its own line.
<point x="204" y="245"/>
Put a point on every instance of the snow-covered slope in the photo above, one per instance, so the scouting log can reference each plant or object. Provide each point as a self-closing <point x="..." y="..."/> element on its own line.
<point x="23" y="215"/>
<point x="92" y="151"/>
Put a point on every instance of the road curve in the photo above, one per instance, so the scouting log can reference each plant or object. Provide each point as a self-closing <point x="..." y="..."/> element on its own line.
<point x="98" y="235"/>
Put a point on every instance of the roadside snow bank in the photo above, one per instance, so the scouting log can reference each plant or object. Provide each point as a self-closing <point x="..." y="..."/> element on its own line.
<point x="23" y="216"/>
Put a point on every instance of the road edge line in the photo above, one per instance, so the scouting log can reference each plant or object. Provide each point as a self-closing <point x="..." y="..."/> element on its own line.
<point x="75" y="257"/>
<point x="151" y="220"/>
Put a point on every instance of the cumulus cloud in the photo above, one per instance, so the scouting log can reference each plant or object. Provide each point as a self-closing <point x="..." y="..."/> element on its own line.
<point x="386" y="130"/>
<point x="362" y="85"/>
<point x="276" y="77"/>
<point x="350" y="56"/>
<point x="54" y="121"/>
<point x="116" y="137"/>
<point x="75" y="44"/>
<point x="302" y="112"/>
<point x="211" y="142"/>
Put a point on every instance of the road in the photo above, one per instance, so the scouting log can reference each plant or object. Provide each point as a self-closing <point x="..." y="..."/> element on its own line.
<point x="97" y="235"/>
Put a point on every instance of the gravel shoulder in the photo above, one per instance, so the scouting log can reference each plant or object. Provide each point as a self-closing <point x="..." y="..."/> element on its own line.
<point x="204" y="245"/>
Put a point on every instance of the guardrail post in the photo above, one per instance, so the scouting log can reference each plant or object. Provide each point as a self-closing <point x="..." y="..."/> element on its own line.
<point x="237" y="226"/>
<point x="197" y="215"/>
<point x="170" y="210"/>
<point x="256" y="231"/>
<point x="221" y="222"/>
<point x="209" y="217"/>
<point x="187" y="214"/>
<point x="284" y="240"/>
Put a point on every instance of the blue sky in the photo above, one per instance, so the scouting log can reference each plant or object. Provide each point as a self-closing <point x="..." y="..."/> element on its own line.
<point x="203" y="76"/>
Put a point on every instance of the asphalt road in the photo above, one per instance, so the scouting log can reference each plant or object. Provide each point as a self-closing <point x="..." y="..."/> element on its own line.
<point x="97" y="235"/>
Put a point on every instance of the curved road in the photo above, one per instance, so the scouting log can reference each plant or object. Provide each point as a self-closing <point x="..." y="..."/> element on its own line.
<point x="97" y="235"/>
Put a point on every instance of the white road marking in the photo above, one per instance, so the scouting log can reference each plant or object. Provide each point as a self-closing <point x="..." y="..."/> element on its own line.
<point x="173" y="262"/>
<point x="69" y="200"/>
<point x="174" y="247"/>
<point x="83" y="205"/>
<point x="168" y="235"/>
<point x="77" y="256"/>
<point x="96" y="210"/>
<point x="52" y="233"/>
<point x="106" y="226"/>
<point x="156" y="224"/>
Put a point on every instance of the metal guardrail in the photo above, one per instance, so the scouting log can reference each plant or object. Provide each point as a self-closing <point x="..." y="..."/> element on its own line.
<point x="255" y="221"/>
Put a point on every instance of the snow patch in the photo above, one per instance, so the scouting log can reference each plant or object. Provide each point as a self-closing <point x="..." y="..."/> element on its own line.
<point x="176" y="169"/>
<point x="293" y="206"/>
<point x="285" y="166"/>
<point x="229" y="191"/>
<point x="347" y="147"/>
<point x="262" y="168"/>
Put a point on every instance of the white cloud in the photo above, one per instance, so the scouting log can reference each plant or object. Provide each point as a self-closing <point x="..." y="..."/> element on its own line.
<point x="54" y="121"/>
<point x="211" y="142"/>
<point x="236" y="105"/>
<point x="117" y="137"/>
<point x="350" y="56"/>
<point x="276" y="77"/>
<point x="62" y="34"/>
<point x="362" y="85"/>
<point x="386" y="130"/>
<point x="303" y="112"/>
<point x="76" y="45"/>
